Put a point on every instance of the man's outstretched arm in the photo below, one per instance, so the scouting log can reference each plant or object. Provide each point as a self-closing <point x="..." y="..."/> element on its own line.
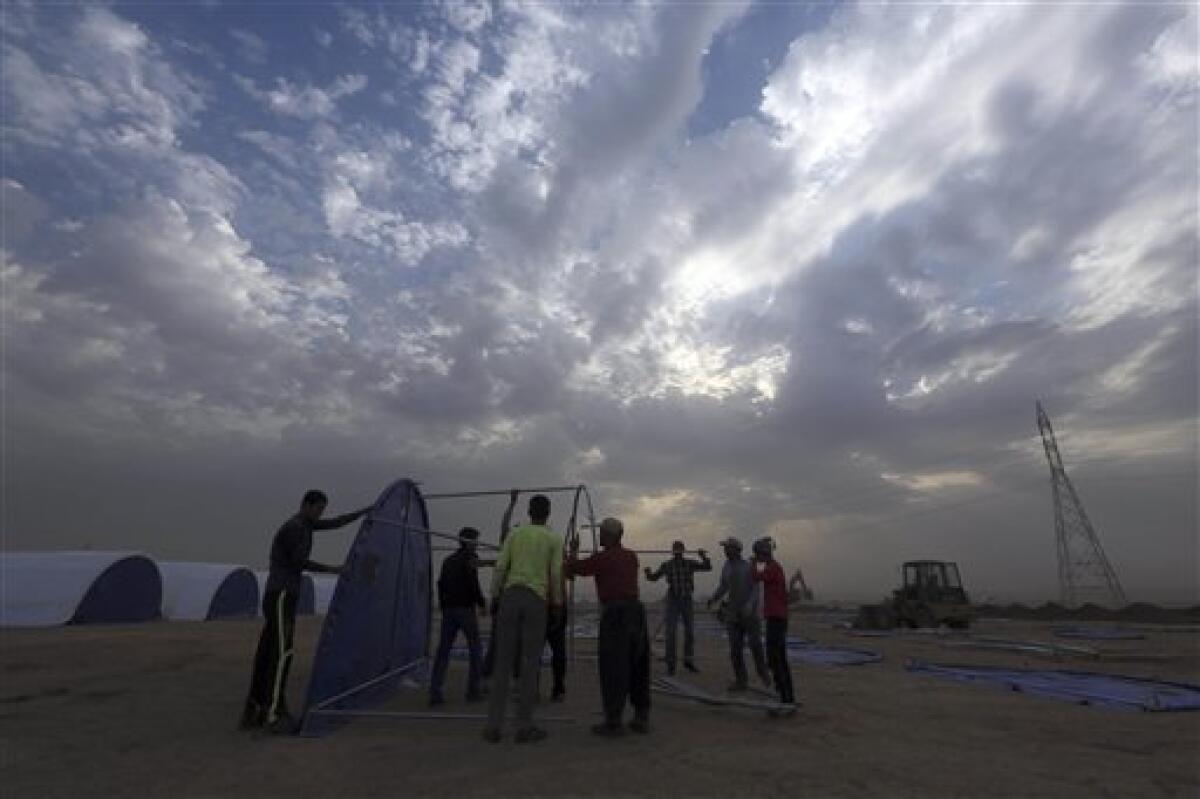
<point x="340" y="521"/>
<point x="722" y="588"/>
<point x="321" y="568"/>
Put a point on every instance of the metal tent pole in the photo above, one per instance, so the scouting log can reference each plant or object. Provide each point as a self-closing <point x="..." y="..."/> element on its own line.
<point x="499" y="492"/>
<point x="414" y="528"/>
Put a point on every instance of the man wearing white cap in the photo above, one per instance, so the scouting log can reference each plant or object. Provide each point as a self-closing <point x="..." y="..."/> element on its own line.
<point x="742" y="622"/>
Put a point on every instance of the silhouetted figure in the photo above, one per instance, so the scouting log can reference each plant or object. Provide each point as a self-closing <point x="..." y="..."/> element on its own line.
<point x="459" y="595"/>
<point x="623" y="646"/>
<point x="267" y="702"/>
<point x="681" y="584"/>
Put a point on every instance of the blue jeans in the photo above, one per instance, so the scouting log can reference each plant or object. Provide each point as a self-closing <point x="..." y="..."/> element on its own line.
<point x="680" y="609"/>
<point x="453" y="620"/>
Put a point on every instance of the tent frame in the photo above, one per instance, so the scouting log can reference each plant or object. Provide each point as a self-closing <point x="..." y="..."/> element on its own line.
<point x="581" y="503"/>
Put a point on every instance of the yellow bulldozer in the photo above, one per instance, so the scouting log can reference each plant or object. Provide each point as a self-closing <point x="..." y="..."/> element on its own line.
<point x="930" y="596"/>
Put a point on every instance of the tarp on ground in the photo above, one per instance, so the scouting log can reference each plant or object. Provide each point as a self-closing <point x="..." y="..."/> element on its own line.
<point x="306" y="605"/>
<point x="1082" y="687"/>
<point x="1099" y="633"/>
<point x="206" y="591"/>
<point x="46" y="589"/>
<point x="804" y="650"/>
<point x="376" y="630"/>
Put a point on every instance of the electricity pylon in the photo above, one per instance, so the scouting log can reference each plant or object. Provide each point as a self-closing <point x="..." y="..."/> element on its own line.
<point x="1084" y="572"/>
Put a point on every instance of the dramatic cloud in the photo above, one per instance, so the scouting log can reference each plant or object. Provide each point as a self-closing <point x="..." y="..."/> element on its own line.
<point x="487" y="244"/>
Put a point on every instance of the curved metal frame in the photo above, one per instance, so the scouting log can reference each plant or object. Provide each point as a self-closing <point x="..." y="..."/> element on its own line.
<point x="572" y="535"/>
<point x="580" y="491"/>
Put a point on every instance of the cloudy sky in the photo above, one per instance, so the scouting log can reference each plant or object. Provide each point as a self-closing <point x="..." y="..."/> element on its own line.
<point x="774" y="268"/>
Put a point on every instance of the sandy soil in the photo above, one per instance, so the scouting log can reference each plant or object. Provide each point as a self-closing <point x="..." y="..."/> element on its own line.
<point x="150" y="710"/>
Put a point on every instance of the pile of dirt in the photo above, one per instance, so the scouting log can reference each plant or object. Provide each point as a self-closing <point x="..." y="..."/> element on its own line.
<point x="1138" y="612"/>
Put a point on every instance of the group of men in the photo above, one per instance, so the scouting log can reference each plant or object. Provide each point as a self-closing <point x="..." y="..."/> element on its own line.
<point x="528" y="610"/>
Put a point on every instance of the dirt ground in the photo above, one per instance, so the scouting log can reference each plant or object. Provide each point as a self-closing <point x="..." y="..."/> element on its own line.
<point x="149" y="710"/>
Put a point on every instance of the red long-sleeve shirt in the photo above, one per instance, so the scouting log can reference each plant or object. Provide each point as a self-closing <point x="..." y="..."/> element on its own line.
<point x="615" y="570"/>
<point x="775" y="596"/>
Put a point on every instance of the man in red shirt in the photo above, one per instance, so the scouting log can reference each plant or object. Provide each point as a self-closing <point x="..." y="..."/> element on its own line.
<point x="624" y="646"/>
<point x="766" y="570"/>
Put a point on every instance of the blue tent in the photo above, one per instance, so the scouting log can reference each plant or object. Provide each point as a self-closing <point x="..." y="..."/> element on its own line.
<point x="376" y="630"/>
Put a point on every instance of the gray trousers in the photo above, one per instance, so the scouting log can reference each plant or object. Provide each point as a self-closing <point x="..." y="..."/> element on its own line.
<point x="680" y="608"/>
<point x="522" y="623"/>
<point x="742" y="630"/>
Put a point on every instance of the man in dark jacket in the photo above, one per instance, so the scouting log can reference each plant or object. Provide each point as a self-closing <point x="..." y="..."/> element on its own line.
<point x="459" y="595"/>
<point x="267" y="702"/>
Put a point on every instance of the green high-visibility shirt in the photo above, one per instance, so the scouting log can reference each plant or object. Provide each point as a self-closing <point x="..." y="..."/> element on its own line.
<point x="532" y="556"/>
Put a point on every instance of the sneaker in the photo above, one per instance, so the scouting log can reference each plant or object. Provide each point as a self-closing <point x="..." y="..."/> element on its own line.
<point x="608" y="730"/>
<point x="528" y="735"/>
<point x="283" y="724"/>
<point x="690" y="666"/>
<point x="640" y="726"/>
<point x="254" y="716"/>
<point x="492" y="735"/>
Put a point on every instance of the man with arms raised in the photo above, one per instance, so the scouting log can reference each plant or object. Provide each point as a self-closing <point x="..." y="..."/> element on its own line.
<point x="681" y="583"/>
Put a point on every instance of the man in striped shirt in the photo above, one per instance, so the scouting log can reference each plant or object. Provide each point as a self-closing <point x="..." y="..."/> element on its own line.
<point x="681" y="583"/>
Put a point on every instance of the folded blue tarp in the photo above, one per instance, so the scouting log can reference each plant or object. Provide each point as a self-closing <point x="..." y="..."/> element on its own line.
<point x="1083" y="687"/>
<point x="1099" y="633"/>
<point x="807" y="651"/>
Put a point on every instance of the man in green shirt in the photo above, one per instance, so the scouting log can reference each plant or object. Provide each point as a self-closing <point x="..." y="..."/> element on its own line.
<point x="527" y="577"/>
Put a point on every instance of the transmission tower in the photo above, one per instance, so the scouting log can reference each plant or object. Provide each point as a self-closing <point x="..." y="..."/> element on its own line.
<point x="1084" y="573"/>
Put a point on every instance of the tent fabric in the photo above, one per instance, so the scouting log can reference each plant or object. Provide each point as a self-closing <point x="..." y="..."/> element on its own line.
<point x="1081" y="687"/>
<point x="1099" y="633"/>
<point x="306" y="605"/>
<point x="379" y="618"/>
<point x="204" y="591"/>
<point x="46" y="589"/>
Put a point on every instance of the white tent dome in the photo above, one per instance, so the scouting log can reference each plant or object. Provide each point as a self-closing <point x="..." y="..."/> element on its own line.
<point x="45" y="589"/>
<point x="202" y="591"/>
<point x="323" y="587"/>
